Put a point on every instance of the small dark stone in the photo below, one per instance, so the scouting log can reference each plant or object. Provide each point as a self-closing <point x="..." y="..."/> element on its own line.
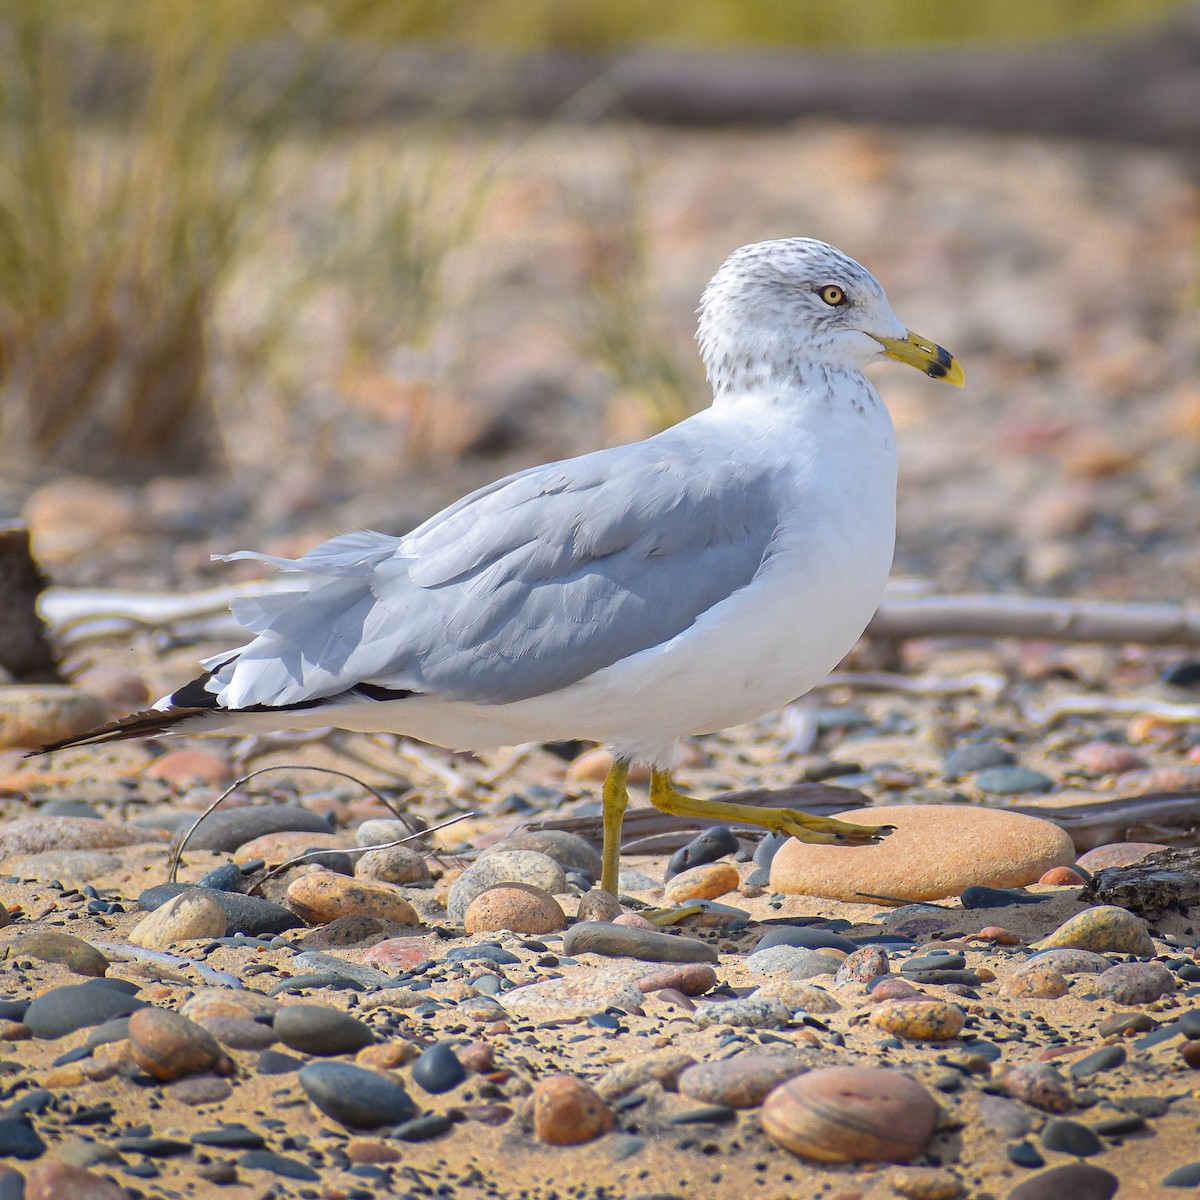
<point x="766" y="849"/>
<point x="1121" y="1022"/>
<point x="12" y="1185"/>
<point x="1185" y="1176"/>
<point x="715" y="842"/>
<point x="1070" y="1137"/>
<point x="703" y="1114"/>
<point x="274" y="1062"/>
<point x="63" y="1010"/>
<point x="227" y="877"/>
<point x="1149" y="1107"/>
<point x="1112" y="1127"/>
<point x="489" y="950"/>
<point x="422" y="1129"/>
<point x="13" y="1010"/>
<point x="36" y="1100"/>
<point x="1024" y="1154"/>
<point x="229" y="1137"/>
<point x="314" y="1029"/>
<point x="978" y="757"/>
<point x="954" y="979"/>
<point x="358" y="1098"/>
<point x="1071" y="1181"/>
<point x="438" y="1070"/>
<point x="278" y="1164"/>
<point x="246" y="914"/>
<point x="1013" y="781"/>
<point x="152" y="1147"/>
<point x="19" y="1139"/>
<point x="1184" y="674"/>
<point x="227" y="829"/>
<point x="978" y="896"/>
<point x="934" y="962"/>
<point x="1103" y="1059"/>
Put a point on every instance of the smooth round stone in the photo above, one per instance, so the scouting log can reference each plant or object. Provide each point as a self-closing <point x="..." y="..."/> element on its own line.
<point x="397" y="864"/>
<point x="742" y="1081"/>
<point x="1070" y="1137"/>
<point x="63" y="1010"/>
<point x="1037" y="981"/>
<point x="399" y="954"/>
<point x="747" y="1012"/>
<point x="935" y="851"/>
<point x="72" y="867"/>
<point x="32" y="715"/>
<point x="1189" y="1051"/>
<point x="1104" y="1059"/>
<point x="795" y="962"/>
<point x="808" y="936"/>
<point x="1062" y="877"/>
<point x="576" y="995"/>
<point x="765" y="851"/>
<point x="1038" y="1085"/>
<point x="1107" y="758"/>
<point x="998" y="936"/>
<point x="504" y="866"/>
<point x="865" y="964"/>
<point x="624" y="941"/>
<point x="315" y="1029"/>
<point x="323" y="896"/>
<point x="568" y="1112"/>
<point x="1118" y="854"/>
<point x="1134" y="983"/>
<point x="227" y="829"/>
<point x="209" y="1004"/>
<point x="1069" y="961"/>
<point x="227" y="877"/>
<point x="894" y="988"/>
<point x="919" y="1020"/>
<point x="518" y="907"/>
<point x="64" y="1181"/>
<point x="1185" y="1176"/>
<point x="240" y="1033"/>
<point x="1013" y="781"/>
<point x="851" y="1114"/>
<point x="946" y="961"/>
<point x="358" y="1098"/>
<point x="966" y="760"/>
<point x="438" y="1069"/>
<point x="277" y="848"/>
<point x="39" y="835"/>
<point x="168" y="1046"/>
<point x="798" y="996"/>
<point x="251" y="915"/>
<point x="705" y="882"/>
<point x="569" y="850"/>
<point x="926" y="1183"/>
<point x="48" y="945"/>
<point x="599" y="905"/>
<point x="692" y="979"/>
<point x="18" y="1139"/>
<point x="1004" y="1116"/>
<point x="196" y="913"/>
<point x="715" y="842"/>
<point x="69" y="808"/>
<point x="1105" y="929"/>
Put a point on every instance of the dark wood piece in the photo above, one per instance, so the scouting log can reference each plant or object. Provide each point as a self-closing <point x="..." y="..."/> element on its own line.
<point x="1167" y="880"/>
<point x="25" y="652"/>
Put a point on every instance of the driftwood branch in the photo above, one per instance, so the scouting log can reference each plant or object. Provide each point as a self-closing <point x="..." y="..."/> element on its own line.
<point x="1166" y="880"/>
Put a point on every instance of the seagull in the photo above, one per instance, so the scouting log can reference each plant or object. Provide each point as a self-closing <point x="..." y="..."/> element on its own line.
<point x="632" y="596"/>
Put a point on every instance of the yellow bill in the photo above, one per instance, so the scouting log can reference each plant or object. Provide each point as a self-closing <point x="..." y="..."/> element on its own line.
<point x="927" y="356"/>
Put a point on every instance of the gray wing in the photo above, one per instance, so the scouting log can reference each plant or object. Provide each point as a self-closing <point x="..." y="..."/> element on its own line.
<point x="521" y="588"/>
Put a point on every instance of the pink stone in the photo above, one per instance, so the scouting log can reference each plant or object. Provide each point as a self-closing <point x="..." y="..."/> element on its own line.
<point x="1118" y="854"/>
<point x="692" y="979"/>
<point x="894" y="989"/>
<point x="1062" y="877"/>
<point x="399" y="954"/>
<point x="187" y="766"/>
<point x="1105" y="758"/>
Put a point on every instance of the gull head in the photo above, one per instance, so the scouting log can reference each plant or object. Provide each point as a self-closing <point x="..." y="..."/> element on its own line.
<point x="796" y="309"/>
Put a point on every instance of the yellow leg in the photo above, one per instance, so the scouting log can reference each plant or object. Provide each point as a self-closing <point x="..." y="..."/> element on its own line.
<point x="616" y="797"/>
<point x="778" y="820"/>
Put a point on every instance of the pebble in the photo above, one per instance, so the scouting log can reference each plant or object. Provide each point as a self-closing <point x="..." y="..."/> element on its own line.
<point x="397" y="864"/>
<point x="692" y="979"/>
<point x="742" y="1081"/>
<point x="975" y="845"/>
<point x="315" y="1029"/>
<point x="438" y="1069"/>
<point x="168" y="1046"/>
<point x="18" y="1139"/>
<point x="322" y="896"/>
<point x="793" y="961"/>
<point x="649" y="945"/>
<point x="227" y="829"/>
<point x="1186" y="1176"/>
<point x="894" y="988"/>
<point x="1104" y="929"/>
<point x="399" y="954"/>
<point x="569" y="850"/>
<point x="63" y="1010"/>
<point x="48" y="945"/>
<point x="1038" y="1085"/>
<point x="275" y="849"/>
<point x="999" y="936"/>
<point x="277" y="1164"/>
<point x="519" y="907"/>
<point x="504" y="866"/>
<point x="1106" y="758"/>
<point x="659" y="1066"/>
<point x="1062" y="877"/>
<point x="705" y="882"/>
<point x="577" y="995"/>
<point x="1104" y="1059"/>
<point x="567" y="1111"/>
<point x="1118" y="854"/>
<point x="798" y="996"/>
<point x="1189" y="1051"/>
<point x="919" y="1020"/>
<point x="251" y="915"/>
<point x="1069" y="961"/>
<point x="355" y="1096"/>
<point x="210" y="1004"/>
<point x="717" y="841"/>
<point x="849" y="1114"/>
<point x="1036" y="980"/>
<point x="1013" y="781"/>
<point x="37" y="835"/>
<point x="34" y="714"/>
<point x="61" y="1181"/>
<point x="196" y="913"/>
<point x="599" y="905"/>
<point x="1004" y="1116"/>
<point x="926" y="1183"/>
<point x="976" y="757"/>
<point x="190" y="766"/>
<point x="1072" y="1181"/>
<point x="240" y="1033"/>
<point x="748" y="1012"/>
<point x="1134" y="983"/>
<point x="1070" y="1137"/>
<point x="808" y="936"/>
<point x="865" y="964"/>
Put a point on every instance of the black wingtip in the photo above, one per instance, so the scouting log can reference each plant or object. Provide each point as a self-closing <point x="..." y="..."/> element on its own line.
<point x="137" y="725"/>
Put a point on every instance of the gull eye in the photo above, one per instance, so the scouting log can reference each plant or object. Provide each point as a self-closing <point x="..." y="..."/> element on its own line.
<point x="832" y="295"/>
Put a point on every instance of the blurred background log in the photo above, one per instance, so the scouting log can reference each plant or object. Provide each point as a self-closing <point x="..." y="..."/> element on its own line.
<point x="25" y="654"/>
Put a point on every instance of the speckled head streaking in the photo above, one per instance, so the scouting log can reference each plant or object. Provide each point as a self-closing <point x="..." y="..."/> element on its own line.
<point x="776" y="311"/>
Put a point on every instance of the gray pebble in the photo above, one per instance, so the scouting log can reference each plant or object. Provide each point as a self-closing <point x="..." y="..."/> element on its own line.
<point x="1103" y="1059"/>
<point x="358" y="1098"/>
<point x="63" y="1010"/>
<point x="1134" y="983"/>
<point x="227" y="829"/>
<point x="1013" y="781"/>
<point x="314" y="1029"/>
<point x="1070" y="1137"/>
<point x="750" y="1012"/>
<point x="649" y="945"/>
<point x="978" y="757"/>
<point x="809" y="936"/>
